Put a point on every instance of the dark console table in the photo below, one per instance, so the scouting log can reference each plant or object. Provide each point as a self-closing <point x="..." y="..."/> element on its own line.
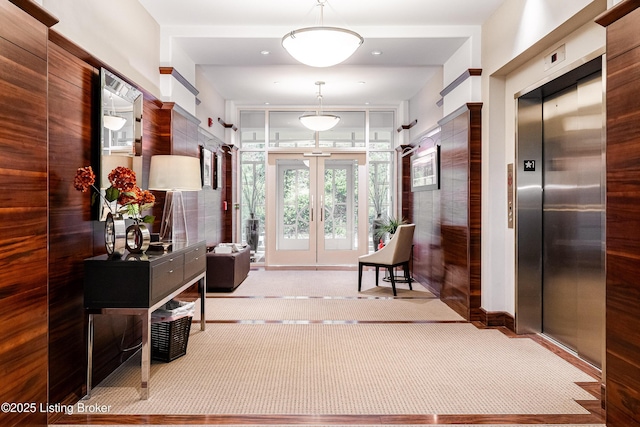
<point x="138" y="284"/>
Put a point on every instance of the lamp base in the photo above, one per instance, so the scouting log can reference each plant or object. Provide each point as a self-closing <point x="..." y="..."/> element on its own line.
<point x="174" y="219"/>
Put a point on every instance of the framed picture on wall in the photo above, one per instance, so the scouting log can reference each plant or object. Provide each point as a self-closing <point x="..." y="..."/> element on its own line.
<point x="206" y="163"/>
<point x="219" y="160"/>
<point x="425" y="170"/>
<point x="214" y="168"/>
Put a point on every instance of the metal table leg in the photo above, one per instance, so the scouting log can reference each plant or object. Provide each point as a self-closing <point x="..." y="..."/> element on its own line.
<point x="203" y="295"/>
<point x="146" y="354"/>
<point x="89" y="357"/>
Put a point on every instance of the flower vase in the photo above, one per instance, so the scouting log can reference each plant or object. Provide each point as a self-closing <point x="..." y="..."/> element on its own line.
<point x="251" y="232"/>
<point x="114" y="235"/>
<point x="376" y="231"/>
<point x="138" y="238"/>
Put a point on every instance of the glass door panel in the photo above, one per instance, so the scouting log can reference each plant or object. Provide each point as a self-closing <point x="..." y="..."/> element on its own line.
<point x="339" y="205"/>
<point x="294" y="205"/>
<point x="315" y="209"/>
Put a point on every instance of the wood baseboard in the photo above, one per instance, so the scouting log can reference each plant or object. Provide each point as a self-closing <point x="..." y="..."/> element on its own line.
<point x="498" y="318"/>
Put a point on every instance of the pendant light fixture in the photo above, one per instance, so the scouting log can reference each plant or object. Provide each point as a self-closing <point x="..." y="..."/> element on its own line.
<point x="113" y="121"/>
<point x="319" y="121"/>
<point x="321" y="46"/>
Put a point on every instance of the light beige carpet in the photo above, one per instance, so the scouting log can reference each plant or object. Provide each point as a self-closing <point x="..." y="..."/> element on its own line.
<point x="319" y="283"/>
<point x="324" y="296"/>
<point x="342" y="368"/>
<point x="351" y="369"/>
<point x="329" y="309"/>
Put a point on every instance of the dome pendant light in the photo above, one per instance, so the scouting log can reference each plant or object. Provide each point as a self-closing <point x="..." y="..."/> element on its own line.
<point x="319" y="121"/>
<point x="113" y="121"/>
<point x="321" y="46"/>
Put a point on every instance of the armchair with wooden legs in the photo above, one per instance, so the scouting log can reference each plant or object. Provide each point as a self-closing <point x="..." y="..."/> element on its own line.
<point x="396" y="253"/>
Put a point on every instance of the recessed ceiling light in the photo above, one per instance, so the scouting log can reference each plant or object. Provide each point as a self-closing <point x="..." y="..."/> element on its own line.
<point x="264" y="52"/>
<point x="267" y="103"/>
<point x="376" y="52"/>
<point x="361" y="82"/>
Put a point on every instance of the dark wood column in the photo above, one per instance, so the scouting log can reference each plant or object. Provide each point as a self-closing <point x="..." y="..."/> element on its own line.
<point x="622" y="362"/>
<point x="404" y="163"/>
<point x="460" y="210"/>
<point x="23" y="217"/>
<point x="228" y="208"/>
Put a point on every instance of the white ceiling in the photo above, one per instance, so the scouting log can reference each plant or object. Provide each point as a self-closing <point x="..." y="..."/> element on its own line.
<point x="226" y="37"/>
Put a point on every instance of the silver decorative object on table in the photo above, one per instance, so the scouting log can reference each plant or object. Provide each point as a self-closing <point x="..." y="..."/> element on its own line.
<point x="115" y="239"/>
<point x="138" y="238"/>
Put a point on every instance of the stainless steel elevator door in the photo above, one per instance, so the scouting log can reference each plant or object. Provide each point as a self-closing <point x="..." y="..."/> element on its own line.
<point x="573" y="218"/>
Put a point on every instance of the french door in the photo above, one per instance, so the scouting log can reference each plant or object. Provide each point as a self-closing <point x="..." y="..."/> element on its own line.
<point x="313" y="213"/>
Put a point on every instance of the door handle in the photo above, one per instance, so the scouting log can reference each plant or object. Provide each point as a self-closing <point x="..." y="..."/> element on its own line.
<point x="321" y="208"/>
<point x="311" y="205"/>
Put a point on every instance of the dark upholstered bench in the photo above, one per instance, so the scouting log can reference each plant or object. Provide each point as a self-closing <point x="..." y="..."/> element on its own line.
<point x="226" y="271"/>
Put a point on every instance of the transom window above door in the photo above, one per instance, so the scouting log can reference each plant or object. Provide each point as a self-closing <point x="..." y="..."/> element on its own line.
<point x="286" y="131"/>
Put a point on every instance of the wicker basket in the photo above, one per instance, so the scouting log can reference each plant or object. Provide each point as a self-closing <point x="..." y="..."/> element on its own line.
<point x="169" y="339"/>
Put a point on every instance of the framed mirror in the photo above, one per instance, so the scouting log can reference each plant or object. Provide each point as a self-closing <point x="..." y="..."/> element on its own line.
<point x="121" y="130"/>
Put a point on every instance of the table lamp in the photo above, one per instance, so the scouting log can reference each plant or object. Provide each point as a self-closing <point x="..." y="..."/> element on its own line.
<point x="174" y="174"/>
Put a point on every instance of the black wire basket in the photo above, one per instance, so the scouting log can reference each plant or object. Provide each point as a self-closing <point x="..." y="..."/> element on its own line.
<point x="169" y="339"/>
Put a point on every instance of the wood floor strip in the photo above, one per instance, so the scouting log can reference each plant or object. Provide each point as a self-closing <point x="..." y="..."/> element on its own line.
<point x="327" y="420"/>
<point x="331" y="322"/>
<point x="316" y="297"/>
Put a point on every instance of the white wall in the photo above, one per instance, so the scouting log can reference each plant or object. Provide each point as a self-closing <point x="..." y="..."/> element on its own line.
<point x="122" y="34"/>
<point x="467" y="56"/>
<point x="177" y="92"/>
<point x="461" y="61"/>
<point x="423" y="107"/>
<point x="518" y="26"/>
<point x="118" y="32"/>
<point x="212" y="106"/>
<point x="515" y="40"/>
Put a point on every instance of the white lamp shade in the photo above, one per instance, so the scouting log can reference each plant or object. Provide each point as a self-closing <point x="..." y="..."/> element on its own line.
<point x="321" y="46"/>
<point x="175" y="173"/>
<point x="319" y="122"/>
<point x="113" y="122"/>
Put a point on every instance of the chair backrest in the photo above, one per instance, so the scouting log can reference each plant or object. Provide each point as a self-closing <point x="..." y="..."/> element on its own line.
<point x="400" y="243"/>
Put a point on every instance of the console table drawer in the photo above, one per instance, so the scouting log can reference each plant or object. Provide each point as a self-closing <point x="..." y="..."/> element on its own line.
<point x="195" y="261"/>
<point x="141" y="281"/>
<point x="166" y="276"/>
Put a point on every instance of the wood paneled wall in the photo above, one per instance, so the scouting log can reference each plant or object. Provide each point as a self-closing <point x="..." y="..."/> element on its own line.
<point x="229" y="171"/>
<point x="622" y="363"/>
<point x="49" y="126"/>
<point x="73" y="132"/>
<point x="447" y="240"/>
<point x="184" y="142"/>
<point x="210" y="209"/>
<point x="23" y="216"/>
<point x="425" y="213"/>
<point x="71" y="113"/>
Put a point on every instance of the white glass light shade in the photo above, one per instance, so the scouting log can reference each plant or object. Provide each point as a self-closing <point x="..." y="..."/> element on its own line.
<point x="319" y="122"/>
<point x="113" y="122"/>
<point x="321" y="46"/>
<point x="175" y="173"/>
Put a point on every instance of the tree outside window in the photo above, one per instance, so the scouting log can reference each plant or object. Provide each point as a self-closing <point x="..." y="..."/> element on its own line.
<point x="253" y="192"/>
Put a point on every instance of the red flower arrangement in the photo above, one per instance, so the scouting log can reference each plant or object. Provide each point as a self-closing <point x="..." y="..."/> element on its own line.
<point x="123" y="190"/>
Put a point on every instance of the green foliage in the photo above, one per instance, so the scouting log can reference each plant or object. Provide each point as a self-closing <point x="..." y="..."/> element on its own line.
<point x="111" y="194"/>
<point x="390" y="226"/>
<point x="148" y="219"/>
<point x="253" y="186"/>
